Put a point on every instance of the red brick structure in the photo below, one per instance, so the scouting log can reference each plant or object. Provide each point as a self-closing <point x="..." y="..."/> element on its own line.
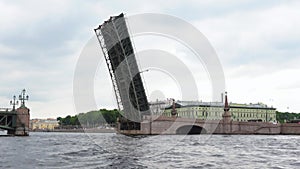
<point x="22" y="121"/>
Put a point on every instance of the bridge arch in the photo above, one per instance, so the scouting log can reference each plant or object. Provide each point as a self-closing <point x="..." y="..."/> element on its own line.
<point x="191" y="129"/>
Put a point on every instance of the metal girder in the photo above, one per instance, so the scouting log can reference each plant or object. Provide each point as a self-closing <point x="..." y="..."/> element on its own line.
<point x="7" y="121"/>
<point x="6" y="128"/>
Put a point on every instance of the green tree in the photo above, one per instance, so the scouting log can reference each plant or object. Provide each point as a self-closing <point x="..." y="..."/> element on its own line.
<point x="59" y="119"/>
<point x="286" y="116"/>
<point x="91" y="119"/>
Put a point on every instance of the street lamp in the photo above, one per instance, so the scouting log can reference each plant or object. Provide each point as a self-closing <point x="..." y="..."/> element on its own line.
<point x="14" y="102"/>
<point x="22" y="97"/>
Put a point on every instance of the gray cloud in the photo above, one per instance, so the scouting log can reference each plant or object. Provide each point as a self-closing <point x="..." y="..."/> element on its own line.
<point x="40" y="43"/>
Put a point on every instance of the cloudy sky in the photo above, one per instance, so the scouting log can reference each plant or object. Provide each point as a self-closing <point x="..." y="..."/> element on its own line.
<point x="257" y="43"/>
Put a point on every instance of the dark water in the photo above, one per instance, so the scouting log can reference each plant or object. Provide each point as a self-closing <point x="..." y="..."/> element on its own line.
<point x="78" y="150"/>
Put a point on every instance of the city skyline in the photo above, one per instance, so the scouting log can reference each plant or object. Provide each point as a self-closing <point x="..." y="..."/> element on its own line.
<point x="256" y="42"/>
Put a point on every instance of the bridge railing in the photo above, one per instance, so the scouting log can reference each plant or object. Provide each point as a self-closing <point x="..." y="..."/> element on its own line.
<point x="5" y="109"/>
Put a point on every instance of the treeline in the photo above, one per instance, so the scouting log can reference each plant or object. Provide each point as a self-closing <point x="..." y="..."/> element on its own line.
<point x="283" y="117"/>
<point x="90" y="119"/>
<point x="103" y="117"/>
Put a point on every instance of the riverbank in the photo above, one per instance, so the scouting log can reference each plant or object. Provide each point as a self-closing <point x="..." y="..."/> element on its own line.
<point x="80" y="130"/>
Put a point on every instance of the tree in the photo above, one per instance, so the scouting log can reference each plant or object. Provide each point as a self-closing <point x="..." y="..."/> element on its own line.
<point x="59" y="119"/>
<point x="286" y="116"/>
<point x="91" y="118"/>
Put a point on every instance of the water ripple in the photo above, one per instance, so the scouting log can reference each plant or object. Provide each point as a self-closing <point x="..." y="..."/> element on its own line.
<point x="78" y="150"/>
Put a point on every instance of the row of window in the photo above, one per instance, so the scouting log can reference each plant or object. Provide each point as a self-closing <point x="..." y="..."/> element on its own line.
<point x="188" y="115"/>
<point x="205" y="113"/>
<point x="232" y="109"/>
<point x="217" y="115"/>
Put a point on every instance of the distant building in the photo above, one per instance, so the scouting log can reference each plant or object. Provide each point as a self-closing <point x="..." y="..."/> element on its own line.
<point x="43" y="124"/>
<point x="214" y="111"/>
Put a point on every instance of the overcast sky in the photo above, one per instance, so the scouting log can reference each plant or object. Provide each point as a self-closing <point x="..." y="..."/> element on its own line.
<point x="256" y="41"/>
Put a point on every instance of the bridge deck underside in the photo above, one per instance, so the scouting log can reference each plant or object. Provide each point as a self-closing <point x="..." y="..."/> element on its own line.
<point x="123" y="68"/>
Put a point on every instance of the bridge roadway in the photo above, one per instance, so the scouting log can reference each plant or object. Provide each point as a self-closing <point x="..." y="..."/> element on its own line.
<point x="176" y="125"/>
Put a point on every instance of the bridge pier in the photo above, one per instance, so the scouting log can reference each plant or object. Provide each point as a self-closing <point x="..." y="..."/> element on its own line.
<point x="22" y="122"/>
<point x="16" y="122"/>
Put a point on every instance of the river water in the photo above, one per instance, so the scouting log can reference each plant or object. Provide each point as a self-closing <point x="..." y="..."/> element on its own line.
<point x="110" y="150"/>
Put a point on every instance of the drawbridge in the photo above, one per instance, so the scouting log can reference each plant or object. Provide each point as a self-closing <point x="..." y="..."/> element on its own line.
<point x="117" y="48"/>
<point x="16" y="121"/>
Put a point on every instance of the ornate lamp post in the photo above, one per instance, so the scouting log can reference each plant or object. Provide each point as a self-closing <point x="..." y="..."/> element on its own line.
<point x="22" y="98"/>
<point x="14" y="102"/>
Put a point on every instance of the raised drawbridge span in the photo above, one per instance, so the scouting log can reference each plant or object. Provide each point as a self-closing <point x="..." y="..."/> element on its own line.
<point x="118" y="52"/>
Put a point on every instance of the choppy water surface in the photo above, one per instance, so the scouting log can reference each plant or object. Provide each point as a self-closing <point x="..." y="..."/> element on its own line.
<point x="79" y="150"/>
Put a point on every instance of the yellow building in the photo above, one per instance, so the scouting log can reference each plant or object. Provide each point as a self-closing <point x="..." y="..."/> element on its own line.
<point x="215" y="110"/>
<point x="43" y="124"/>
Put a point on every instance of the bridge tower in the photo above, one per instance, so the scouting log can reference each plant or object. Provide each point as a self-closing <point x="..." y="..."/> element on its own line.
<point x="21" y="117"/>
<point x="226" y="122"/>
<point x="130" y="94"/>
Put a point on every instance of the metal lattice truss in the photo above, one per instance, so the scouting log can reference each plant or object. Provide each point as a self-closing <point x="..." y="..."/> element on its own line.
<point x="117" y="48"/>
<point x="7" y="120"/>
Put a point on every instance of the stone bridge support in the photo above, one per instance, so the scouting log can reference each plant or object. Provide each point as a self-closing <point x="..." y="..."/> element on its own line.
<point x="172" y="125"/>
<point x="19" y="125"/>
<point x="22" y="122"/>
